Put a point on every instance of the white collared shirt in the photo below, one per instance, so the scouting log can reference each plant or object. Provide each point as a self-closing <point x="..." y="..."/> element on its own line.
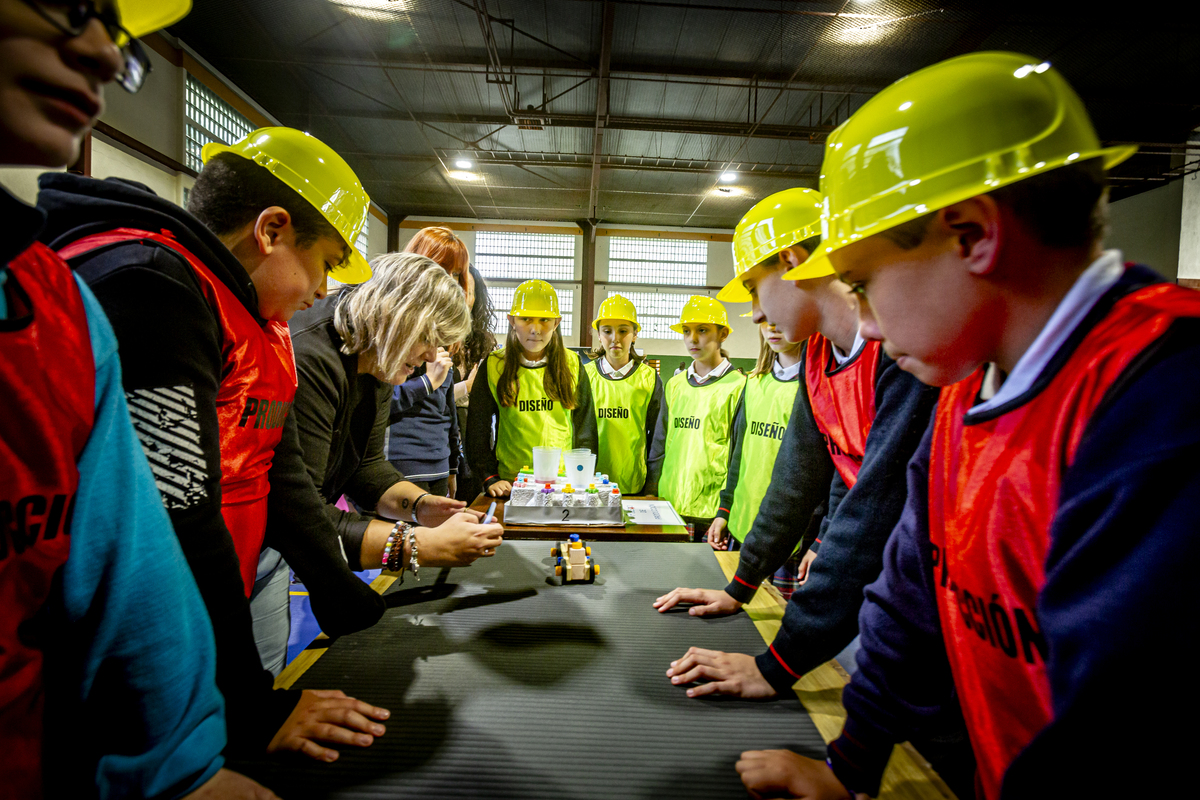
<point x="540" y="363"/>
<point x="607" y="369"/>
<point x="787" y="373"/>
<point x="1087" y="290"/>
<point x="717" y="372"/>
<point x="841" y="358"/>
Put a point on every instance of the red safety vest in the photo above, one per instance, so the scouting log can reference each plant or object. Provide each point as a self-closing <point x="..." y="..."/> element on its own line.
<point x="843" y="401"/>
<point x="993" y="494"/>
<point x="258" y="385"/>
<point x="48" y="382"/>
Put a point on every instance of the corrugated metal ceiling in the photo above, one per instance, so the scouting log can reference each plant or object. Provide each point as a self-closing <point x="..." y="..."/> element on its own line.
<point x="404" y="87"/>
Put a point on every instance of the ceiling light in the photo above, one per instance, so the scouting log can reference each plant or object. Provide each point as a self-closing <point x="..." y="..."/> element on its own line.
<point x="728" y="177"/>
<point x="379" y="10"/>
<point x="460" y="175"/>
<point x="463" y="163"/>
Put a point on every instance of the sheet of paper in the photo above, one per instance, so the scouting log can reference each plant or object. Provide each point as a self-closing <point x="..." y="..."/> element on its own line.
<point x="650" y="512"/>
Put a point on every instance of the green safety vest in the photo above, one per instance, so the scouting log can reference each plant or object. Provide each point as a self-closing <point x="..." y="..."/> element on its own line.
<point x="768" y="406"/>
<point x="696" y="461"/>
<point x="621" y="405"/>
<point x="535" y="420"/>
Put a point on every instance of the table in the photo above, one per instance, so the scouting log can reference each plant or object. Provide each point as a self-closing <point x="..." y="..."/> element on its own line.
<point x="598" y="533"/>
<point x="503" y="684"/>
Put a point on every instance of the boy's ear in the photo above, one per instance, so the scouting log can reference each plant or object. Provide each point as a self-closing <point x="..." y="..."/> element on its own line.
<point x="272" y="222"/>
<point x="975" y="227"/>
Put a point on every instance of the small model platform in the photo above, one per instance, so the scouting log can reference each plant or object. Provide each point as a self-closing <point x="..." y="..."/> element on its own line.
<point x="575" y="564"/>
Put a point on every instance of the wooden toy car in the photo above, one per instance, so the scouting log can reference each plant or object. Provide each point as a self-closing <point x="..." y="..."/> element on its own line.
<point x="574" y="564"/>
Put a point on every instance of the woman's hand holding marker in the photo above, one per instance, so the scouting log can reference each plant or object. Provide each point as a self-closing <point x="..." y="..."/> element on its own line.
<point x="707" y="602"/>
<point x="458" y="541"/>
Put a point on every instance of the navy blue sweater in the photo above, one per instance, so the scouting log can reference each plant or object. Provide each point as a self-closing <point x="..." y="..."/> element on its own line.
<point x="807" y="496"/>
<point x="1119" y="575"/>
<point x="423" y="436"/>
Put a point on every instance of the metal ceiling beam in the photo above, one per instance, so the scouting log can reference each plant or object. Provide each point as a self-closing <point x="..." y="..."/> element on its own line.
<point x="584" y="161"/>
<point x="536" y="119"/>
<point x="606" y="37"/>
<point x="537" y="67"/>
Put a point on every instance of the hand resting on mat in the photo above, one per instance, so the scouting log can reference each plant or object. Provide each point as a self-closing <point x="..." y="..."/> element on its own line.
<point x="708" y="602"/>
<point x="328" y="715"/>
<point x="782" y="773"/>
<point x="725" y="673"/>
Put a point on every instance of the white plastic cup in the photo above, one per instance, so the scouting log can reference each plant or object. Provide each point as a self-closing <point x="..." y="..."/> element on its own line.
<point x="545" y="463"/>
<point x="579" y="463"/>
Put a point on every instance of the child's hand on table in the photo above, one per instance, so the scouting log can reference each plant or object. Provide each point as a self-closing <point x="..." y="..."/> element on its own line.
<point x="708" y="602"/>
<point x="328" y="716"/>
<point x="782" y="773"/>
<point x="725" y="673"/>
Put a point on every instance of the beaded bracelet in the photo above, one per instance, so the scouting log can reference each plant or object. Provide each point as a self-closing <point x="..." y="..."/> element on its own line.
<point x="414" y="511"/>
<point x="412" y="558"/>
<point x="393" y="549"/>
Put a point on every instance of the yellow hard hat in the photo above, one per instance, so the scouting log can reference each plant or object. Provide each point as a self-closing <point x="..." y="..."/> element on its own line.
<point x="701" y="308"/>
<point x="957" y="129"/>
<point x="782" y="220"/>
<point x="310" y="167"/>
<point x="140" y="17"/>
<point x="535" y="299"/>
<point x="616" y="307"/>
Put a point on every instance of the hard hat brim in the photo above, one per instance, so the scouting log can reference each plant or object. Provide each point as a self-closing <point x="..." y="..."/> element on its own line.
<point x="678" y="326"/>
<point x="354" y="270"/>
<point x="816" y="265"/>
<point x="596" y="323"/>
<point x="149" y="17"/>
<point x="735" y="291"/>
<point x="537" y="314"/>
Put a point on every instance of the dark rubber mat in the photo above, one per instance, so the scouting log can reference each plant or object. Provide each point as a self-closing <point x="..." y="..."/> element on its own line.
<point x="503" y="684"/>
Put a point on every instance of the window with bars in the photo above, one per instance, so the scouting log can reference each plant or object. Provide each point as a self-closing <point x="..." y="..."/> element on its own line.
<point x="502" y="296"/>
<point x="513" y="256"/>
<point x="657" y="312"/>
<point x="208" y="118"/>
<point x="363" y="243"/>
<point x="667" y="262"/>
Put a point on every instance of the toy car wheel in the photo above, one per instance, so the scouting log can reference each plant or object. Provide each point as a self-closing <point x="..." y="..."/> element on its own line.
<point x="558" y="570"/>
<point x="591" y="578"/>
<point x="589" y="551"/>
<point x="554" y="552"/>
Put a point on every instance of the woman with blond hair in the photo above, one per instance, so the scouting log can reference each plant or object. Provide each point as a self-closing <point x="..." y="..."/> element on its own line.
<point x="351" y="348"/>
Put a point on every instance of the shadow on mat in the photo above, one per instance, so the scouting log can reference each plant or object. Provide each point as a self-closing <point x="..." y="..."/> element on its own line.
<point x="537" y="654"/>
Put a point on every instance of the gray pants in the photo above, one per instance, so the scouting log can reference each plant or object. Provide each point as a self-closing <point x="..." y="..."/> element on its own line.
<point x="269" y="610"/>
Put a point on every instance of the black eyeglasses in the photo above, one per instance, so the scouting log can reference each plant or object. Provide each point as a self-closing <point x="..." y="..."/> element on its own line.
<point x="72" y="19"/>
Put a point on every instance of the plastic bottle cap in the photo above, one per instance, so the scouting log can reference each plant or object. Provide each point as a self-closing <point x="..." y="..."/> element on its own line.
<point x="568" y="489"/>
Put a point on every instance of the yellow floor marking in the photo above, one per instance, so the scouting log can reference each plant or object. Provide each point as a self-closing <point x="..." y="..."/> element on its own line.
<point x="308" y="656"/>
<point x="908" y="776"/>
